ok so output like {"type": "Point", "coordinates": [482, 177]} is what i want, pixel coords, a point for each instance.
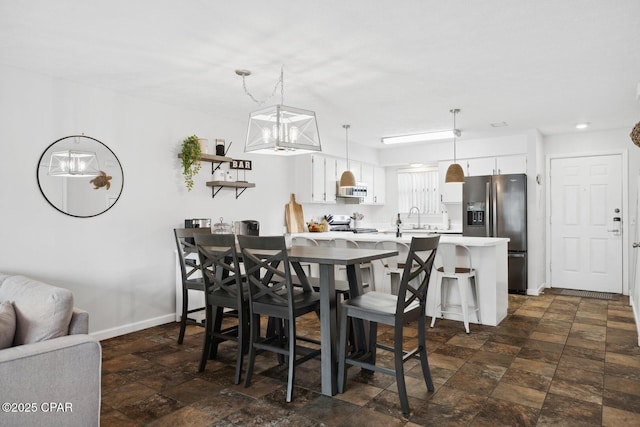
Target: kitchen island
{"type": "Point", "coordinates": [489, 256]}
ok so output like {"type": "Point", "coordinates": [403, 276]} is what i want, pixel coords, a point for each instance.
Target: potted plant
{"type": "Point", "coordinates": [190, 156]}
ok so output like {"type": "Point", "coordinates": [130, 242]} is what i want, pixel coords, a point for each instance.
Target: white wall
{"type": "Point", "coordinates": [119, 265]}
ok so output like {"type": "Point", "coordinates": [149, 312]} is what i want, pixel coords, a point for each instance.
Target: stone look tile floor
{"type": "Point", "coordinates": [555, 360]}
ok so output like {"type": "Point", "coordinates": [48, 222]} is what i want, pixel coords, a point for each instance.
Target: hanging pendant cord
{"type": "Point", "coordinates": [346, 131]}
{"type": "Point", "coordinates": [455, 131]}
{"type": "Point", "coordinates": [280, 83]}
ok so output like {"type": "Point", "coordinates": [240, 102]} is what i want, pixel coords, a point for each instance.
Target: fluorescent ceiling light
{"type": "Point", "coordinates": [582, 125]}
{"type": "Point", "coordinates": [428, 136]}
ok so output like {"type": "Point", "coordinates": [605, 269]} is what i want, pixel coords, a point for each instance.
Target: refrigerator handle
{"type": "Point", "coordinates": [487, 195]}
{"type": "Point", "coordinates": [495, 210]}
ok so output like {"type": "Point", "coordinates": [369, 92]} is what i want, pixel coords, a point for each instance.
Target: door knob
{"type": "Point", "coordinates": [635, 245]}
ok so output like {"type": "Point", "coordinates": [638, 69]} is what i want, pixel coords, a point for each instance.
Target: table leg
{"type": "Point", "coordinates": [328, 330]}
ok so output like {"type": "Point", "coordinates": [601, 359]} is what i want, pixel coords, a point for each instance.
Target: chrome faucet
{"type": "Point", "coordinates": [409, 216]}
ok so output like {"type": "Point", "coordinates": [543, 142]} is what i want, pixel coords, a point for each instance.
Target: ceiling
{"type": "Point", "coordinates": [386, 67]}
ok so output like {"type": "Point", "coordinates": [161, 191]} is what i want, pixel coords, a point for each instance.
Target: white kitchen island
{"type": "Point", "coordinates": [489, 256]}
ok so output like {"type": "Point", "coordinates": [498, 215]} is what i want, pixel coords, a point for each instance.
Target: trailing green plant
{"type": "Point", "coordinates": [190, 156]}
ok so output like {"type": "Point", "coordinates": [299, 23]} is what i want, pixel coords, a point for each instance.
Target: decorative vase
{"type": "Point", "coordinates": [203, 145]}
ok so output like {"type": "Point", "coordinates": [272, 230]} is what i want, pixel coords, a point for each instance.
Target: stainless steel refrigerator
{"type": "Point", "coordinates": [496, 206]}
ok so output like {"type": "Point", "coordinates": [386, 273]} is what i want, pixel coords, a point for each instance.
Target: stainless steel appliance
{"type": "Point", "coordinates": [249, 227]}
{"type": "Point", "coordinates": [197, 223]}
{"type": "Point", "coordinates": [496, 206]}
{"type": "Point", "coordinates": [343, 223]}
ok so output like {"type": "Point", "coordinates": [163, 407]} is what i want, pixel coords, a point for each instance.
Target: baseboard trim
{"type": "Point", "coordinates": [538, 291]}
{"type": "Point", "coordinates": [133, 327]}
{"type": "Point", "coordinates": [636, 317]}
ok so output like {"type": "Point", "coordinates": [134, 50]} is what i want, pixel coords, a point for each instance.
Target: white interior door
{"type": "Point", "coordinates": [586, 196]}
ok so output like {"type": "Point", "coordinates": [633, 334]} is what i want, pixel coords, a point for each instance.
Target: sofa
{"type": "Point", "coordinates": [50, 368]}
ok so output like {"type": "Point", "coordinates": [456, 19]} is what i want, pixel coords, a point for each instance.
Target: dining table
{"type": "Point", "coordinates": [327, 258]}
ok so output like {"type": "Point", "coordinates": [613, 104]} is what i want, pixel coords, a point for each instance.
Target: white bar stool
{"type": "Point", "coordinates": [368, 280]}
{"type": "Point", "coordinates": [452, 256]}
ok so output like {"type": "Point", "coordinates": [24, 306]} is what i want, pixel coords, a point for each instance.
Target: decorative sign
{"type": "Point", "coordinates": [240, 164]}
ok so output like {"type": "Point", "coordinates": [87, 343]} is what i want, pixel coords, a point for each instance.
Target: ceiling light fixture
{"type": "Point", "coordinates": [280, 129]}
{"type": "Point", "coordinates": [454, 171]}
{"type": "Point", "coordinates": [582, 125]}
{"type": "Point", "coordinates": [418, 137]}
{"type": "Point", "coordinates": [347, 179]}
{"type": "Point", "coordinates": [73, 163]}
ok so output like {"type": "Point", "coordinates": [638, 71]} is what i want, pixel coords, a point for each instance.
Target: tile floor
{"type": "Point", "coordinates": [555, 360]}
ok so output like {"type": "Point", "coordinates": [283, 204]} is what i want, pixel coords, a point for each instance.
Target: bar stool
{"type": "Point", "coordinates": [453, 255]}
{"type": "Point", "coordinates": [307, 241]}
{"type": "Point", "coordinates": [340, 242]}
{"type": "Point", "coordinates": [393, 266]}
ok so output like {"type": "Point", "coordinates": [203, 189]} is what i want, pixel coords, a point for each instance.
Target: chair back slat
{"type": "Point", "coordinates": [185, 245]}
{"type": "Point", "coordinates": [419, 264]}
{"type": "Point", "coordinates": [268, 269]}
{"type": "Point", "coordinates": [220, 265]}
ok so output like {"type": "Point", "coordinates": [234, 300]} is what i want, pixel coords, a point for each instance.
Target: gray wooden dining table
{"type": "Point", "coordinates": [327, 258]}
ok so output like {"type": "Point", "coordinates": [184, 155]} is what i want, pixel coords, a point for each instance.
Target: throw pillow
{"type": "Point", "coordinates": [42, 311]}
{"type": "Point", "coordinates": [7, 324]}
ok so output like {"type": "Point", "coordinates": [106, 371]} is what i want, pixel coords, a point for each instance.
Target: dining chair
{"type": "Point", "coordinates": [394, 310]}
{"type": "Point", "coordinates": [225, 297]}
{"type": "Point", "coordinates": [188, 268]}
{"type": "Point", "coordinates": [272, 293]}
{"type": "Point", "coordinates": [457, 268]}
{"type": "Point", "coordinates": [392, 267]}
{"type": "Point", "coordinates": [340, 242]}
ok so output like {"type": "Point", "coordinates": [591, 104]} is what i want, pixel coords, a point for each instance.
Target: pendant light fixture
{"type": "Point", "coordinates": [454, 172]}
{"type": "Point", "coordinates": [347, 179]}
{"type": "Point", "coordinates": [280, 129]}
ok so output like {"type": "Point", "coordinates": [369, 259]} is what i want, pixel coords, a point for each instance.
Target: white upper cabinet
{"type": "Point", "coordinates": [449, 192]}
{"type": "Point", "coordinates": [367, 178]}
{"type": "Point", "coordinates": [379, 186]}
{"type": "Point", "coordinates": [479, 166]}
{"type": "Point", "coordinates": [511, 164]}
{"type": "Point", "coordinates": [331, 178]}
{"type": "Point", "coordinates": [315, 179]}
{"type": "Point", "coordinates": [500, 165]}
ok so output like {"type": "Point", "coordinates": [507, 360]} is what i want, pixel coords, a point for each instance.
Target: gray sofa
{"type": "Point", "coordinates": [50, 372]}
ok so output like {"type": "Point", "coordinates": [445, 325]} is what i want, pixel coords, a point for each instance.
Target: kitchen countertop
{"type": "Point", "coordinates": [406, 238]}
{"type": "Point", "coordinates": [421, 231]}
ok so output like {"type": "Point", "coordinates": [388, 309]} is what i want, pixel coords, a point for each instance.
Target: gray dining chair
{"type": "Point", "coordinates": [191, 281]}
{"type": "Point", "coordinates": [394, 310]}
{"type": "Point", "coordinates": [272, 293]}
{"type": "Point", "coordinates": [225, 297]}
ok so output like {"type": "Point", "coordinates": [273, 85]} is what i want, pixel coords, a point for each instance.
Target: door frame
{"type": "Point", "coordinates": [626, 226]}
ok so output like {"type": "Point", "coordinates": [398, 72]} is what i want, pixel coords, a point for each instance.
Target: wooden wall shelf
{"type": "Point", "coordinates": [239, 186]}
{"type": "Point", "coordinates": [216, 186]}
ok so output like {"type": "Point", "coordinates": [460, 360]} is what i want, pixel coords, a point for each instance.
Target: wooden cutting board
{"type": "Point", "coordinates": [293, 216]}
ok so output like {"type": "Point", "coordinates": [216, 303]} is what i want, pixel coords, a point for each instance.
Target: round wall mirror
{"type": "Point", "coordinates": [80, 176]}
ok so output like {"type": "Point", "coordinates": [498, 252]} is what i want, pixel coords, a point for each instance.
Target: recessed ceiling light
{"type": "Point", "coordinates": [499, 124]}
{"type": "Point", "coordinates": [416, 165]}
{"type": "Point", "coordinates": [582, 125]}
